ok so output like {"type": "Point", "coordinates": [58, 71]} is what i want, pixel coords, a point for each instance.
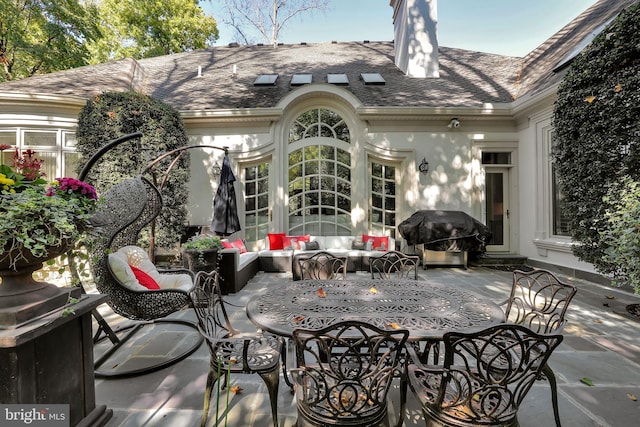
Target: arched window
{"type": "Point", "coordinates": [319, 122]}
{"type": "Point", "coordinates": [320, 176]}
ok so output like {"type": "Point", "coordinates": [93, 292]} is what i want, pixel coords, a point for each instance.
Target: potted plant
{"type": "Point", "coordinates": [202, 252]}
{"type": "Point", "coordinates": [40, 221]}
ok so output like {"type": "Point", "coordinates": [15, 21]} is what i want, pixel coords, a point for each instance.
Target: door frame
{"type": "Point", "coordinates": [507, 211]}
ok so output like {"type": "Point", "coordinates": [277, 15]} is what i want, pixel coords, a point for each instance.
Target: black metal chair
{"type": "Point", "coordinates": [539, 301]}
{"type": "Point", "coordinates": [321, 266]}
{"type": "Point", "coordinates": [229, 350]}
{"type": "Point", "coordinates": [484, 378]}
{"type": "Point", "coordinates": [344, 372]}
{"type": "Point", "coordinates": [394, 264]}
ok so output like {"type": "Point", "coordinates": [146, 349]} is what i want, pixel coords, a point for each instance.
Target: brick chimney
{"type": "Point", "coordinates": [416, 37]}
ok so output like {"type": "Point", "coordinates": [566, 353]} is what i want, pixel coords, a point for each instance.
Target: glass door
{"type": "Point", "coordinates": [497, 208]}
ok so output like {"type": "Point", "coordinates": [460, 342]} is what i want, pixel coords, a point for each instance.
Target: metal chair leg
{"type": "Point", "coordinates": [272, 381]}
{"type": "Point", "coordinates": [211, 379]}
{"type": "Point", "coordinates": [551, 377]}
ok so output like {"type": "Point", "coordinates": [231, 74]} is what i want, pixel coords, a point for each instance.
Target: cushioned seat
{"type": "Point", "coordinates": [121, 261]}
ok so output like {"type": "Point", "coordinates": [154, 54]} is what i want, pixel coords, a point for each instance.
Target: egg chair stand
{"type": "Point", "coordinates": [125, 209]}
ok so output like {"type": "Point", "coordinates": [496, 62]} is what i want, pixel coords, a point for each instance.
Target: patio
{"type": "Point", "coordinates": [602, 343]}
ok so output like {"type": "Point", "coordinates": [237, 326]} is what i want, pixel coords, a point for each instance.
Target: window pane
{"type": "Point", "coordinates": [376, 185]}
{"type": "Point", "coordinates": [327, 152]}
{"type": "Point", "coordinates": [496, 158]}
{"type": "Point", "coordinates": [326, 131]}
{"type": "Point", "coordinates": [263, 201]}
{"type": "Point", "coordinates": [328, 183]}
{"type": "Point", "coordinates": [376, 170]}
{"type": "Point", "coordinates": [69, 139]}
{"type": "Point", "coordinates": [250, 173]}
{"type": "Point", "coordinates": [263, 186]}
{"type": "Point", "coordinates": [249, 204]}
{"type": "Point", "coordinates": [71, 165]}
{"type": "Point", "coordinates": [560, 221]}
{"type": "Point", "coordinates": [8, 138]}
{"type": "Point", "coordinates": [344, 172]}
{"type": "Point", "coordinates": [49, 167]}
{"type": "Point", "coordinates": [343, 157]}
{"type": "Point", "coordinates": [40, 138]}
{"type": "Point", "coordinates": [390, 172]}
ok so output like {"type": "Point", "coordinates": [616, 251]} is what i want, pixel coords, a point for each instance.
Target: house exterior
{"type": "Point", "coordinates": [333, 138]}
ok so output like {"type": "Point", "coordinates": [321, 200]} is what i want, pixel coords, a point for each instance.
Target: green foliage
{"type": "Point", "coordinates": [42, 36]}
{"type": "Point", "coordinates": [113, 114]}
{"type": "Point", "coordinates": [597, 123]}
{"type": "Point", "coordinates": [34, 221]}
{"type": "Point", "coordinates": [620, 234]}
{"type": "Point", "coordinates": [203, 242]}
{"type": "Point", "coordinates": [148, 28]}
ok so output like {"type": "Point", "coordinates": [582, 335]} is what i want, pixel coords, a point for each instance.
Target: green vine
{"type": "Point", "coordinates": [597, 133]}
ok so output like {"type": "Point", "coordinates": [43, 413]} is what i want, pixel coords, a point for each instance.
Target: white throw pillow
{"type": "Point", "coordinates": [119, 265]}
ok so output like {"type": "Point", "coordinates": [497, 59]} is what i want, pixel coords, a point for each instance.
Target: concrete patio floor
{"type": "Point", "coordinates": [601, 343]}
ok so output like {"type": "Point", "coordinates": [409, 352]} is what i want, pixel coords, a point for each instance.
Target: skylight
{"type": "Point", "coordinates": [266, 80]}
{"type": "Point", "coordinates": [580, 46]}
{"type": "Point", "coordinates": [301, 79]}
{"type": "Point", "coordinates": [338, 79]}
{"type": "Point", "coordinates": [372, 79]}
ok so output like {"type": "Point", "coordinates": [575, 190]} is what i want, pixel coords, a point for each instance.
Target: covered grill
{"type": "Point", "coordinates": [445, 231]}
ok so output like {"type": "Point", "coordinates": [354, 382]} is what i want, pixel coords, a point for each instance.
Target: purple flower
{"type": "Point", "coordinates": [72, 185]}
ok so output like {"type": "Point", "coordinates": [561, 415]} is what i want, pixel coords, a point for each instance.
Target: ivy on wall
{"type": "Point", "coordinates": [597, 134]}
{"type": "Point", "coordinates": [113, 114]}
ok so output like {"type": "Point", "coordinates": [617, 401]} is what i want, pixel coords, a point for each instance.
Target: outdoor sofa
{"type": "Point", "coordinates": [358, 250]}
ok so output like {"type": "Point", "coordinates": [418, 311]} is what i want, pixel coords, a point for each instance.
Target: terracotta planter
{"type": "Point", "coordinates": [201, 259]}
{"type": "Point", "coordinates": [22, 298]}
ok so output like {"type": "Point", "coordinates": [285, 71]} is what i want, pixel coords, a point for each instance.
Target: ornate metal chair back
{"type": "Point", "coordinates": [206, 298]}
{"type": "Point", "coordinates": [394, 265]}
{"type": "Point", "coordinates": [323, 266]}
{"type": "Point", "coordinates": [485, 375]}
{"type": "Point", "coordinates": [229, 350]}
{"type": "Point", "coordinates": [344, 373]}
{"type": "Point", "coordinates": [539, 301]}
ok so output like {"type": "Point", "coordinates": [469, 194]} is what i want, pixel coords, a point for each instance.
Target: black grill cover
{"type": "Point", "coordinates": [445, 230]}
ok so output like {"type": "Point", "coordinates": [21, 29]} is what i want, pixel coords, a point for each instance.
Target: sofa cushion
{"type": "Point", "coordinates": [380, 243]}
{"type": "Point", "coordinates": [310, 246]}
{"type": "Point", "coordinates": [239, 244]}
{"type": "Point", "coordinates": [293, 242]}
{"type": "Point", "coordinates": [275, 241]}
{"type": "Point", "coordinates": [246, 258]}
{"type": "Point", "coordinates": [338, 242]}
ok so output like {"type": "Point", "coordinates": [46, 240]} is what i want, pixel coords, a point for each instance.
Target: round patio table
{"type": "Point", "coordinates": [427, 310]}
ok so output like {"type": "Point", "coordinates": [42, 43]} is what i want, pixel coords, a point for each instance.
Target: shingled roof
{"type": "Point", "coordinates": [204, 79]}
{"type": "Point", "coordinates": [539, 67]}
{"type": "Point", "coordinates": [467, 79]}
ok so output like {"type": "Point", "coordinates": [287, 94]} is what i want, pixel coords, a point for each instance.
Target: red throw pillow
{"type": "Point", "coordinates": [293, 242]}
{"type": "Point", "coordinates": [227, 244]}
{"type": "Point", "coordinates": [239, 244]}
{"type": "Point", "coordinates": [144, 279]}
{"type": "Point", "coordinates": [275, 241]}
{"type": "Point", "coordinates": [380, 243]}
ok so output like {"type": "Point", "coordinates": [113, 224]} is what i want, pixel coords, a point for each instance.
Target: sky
{"type": "Point", "coordinates": [506, 27]}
